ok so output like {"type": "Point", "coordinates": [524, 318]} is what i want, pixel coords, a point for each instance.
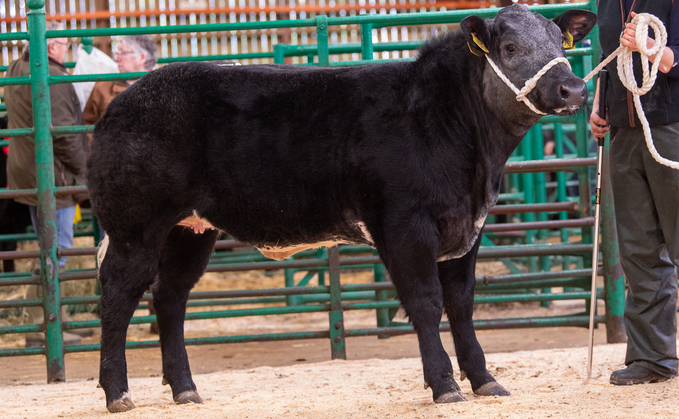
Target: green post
{"type": "Point", "coordinates": [289, 275]}
{"type": "Point", "coordinates": [338, 348]}
{"type": "Point", "coordinates": [528, 191]}
{"type": "Point", "coordinates": [540, 184]}
{"type": "Point", "coordinates": [47, 211]}
{"type": "Point", "coordinates": [87, 42]}
{"type": "Point", "coordinates": [383, 319]}
{"type": "Point", "coordinates": [279, 54]}
{"type": "Point", "coordinates": [322, 41]}
{"type": "Point", "coordinates": [367, 41]}
{"type": "Point", "coordinates": [614, 279]}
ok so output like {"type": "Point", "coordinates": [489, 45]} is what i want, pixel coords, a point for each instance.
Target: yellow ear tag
{"type": "Point", "coordinates": [472, 49]}
{"type": "Point", "coordinates": [478, 42]}
{"type": "Point", "coordinates": [568, 40]}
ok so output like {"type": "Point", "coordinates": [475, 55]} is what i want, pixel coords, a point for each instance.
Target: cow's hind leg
{"type": "Point", "coordinates": [458, 282]}
{"type": "Point", "coordinates": [412, 266]}
{"type": "Point", "coordinates": [128, 269]}
{"type": "Point", "coordinates": [183, 260]}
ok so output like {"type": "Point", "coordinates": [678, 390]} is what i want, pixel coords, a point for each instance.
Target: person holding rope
{"type": "Point", "coordinates": [646, 193]}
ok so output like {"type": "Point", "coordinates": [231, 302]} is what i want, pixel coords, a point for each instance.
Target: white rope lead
{"type": "Point", "coordinates": [626, 72]}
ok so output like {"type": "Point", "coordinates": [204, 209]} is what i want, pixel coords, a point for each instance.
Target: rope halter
{"type": "Point", "coordinates": [530, 83]}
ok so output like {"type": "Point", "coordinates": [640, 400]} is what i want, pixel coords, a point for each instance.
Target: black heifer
{"type": "Point", "coordinates": [406, 157]}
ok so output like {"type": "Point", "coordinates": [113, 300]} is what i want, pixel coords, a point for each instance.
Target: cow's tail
{"type": "Point", "coordinates": [101, 252]}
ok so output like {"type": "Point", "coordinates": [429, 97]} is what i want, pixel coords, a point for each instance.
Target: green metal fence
{"type": "Point", "coordinates": [529, 199]}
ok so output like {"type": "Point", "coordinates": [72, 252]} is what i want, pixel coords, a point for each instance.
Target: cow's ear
{"type": "Point", "coordinates": [477, 34]}
{"type": "Point", "coordinates": [575, 25]}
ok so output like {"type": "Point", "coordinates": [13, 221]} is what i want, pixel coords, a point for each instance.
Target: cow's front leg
{"type": "Point", "coordinates": [458, 281]}
{"type": "Point", "coordinates": [411, 262]}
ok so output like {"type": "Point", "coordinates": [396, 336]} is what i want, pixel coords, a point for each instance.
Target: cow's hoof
{"type": "Point", "coordinates": [123, 404]}
{"type": "Point", "coordinates": [492, 388]}
{"type": "Point", "coordinates": [188, 397]}
{"type": "Point", "coordinates": [452, 397]}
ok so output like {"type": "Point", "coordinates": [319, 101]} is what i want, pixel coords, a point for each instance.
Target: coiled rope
{"type": "Point", "coordinates": [625, 73]}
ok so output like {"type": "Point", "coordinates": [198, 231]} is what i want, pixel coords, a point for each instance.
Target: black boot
{"type": "Point", "coordinates": [637, 374]}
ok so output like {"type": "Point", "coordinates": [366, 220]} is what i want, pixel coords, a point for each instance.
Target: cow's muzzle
{"type": "Point", "coordinates": [572, 94]}
{"type": "Point", "coordinates": [530, 83]}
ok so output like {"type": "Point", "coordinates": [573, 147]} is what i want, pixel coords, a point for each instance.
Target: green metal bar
{"type": "Point", "coordinates": [547, 283]}
{"type": "Point", "coordinates": [309, 275]}
{"type": "Point", "coordinates": [379, 21]}
{"type": "Point", "coordinates": [26, 328]}
{"type": "Point", "coordinates": [32, 302]}
{"type": "Point", "coordinates": [42, 120]}
{"type": "Point", "coordinates": [540, 182]}
{"type": "Point", "coordinates": [338, 347]}
{"type": "Point", "coordinates": [382, 315]}
{"type": "Point", "coordinates": [322, 43]}
{"type": "Point", "coordinates": [509, 264]}
{"type": "Point", "coordinates": [13, 81]}
{"type": "Point", "coordinates": [96, 77]}
{"type": "Point", "coordinates": [207, 341]}
{"type": "Point", "coordinates": [11, 36]}
{"type": "Point", "coordinates": [348, 48]}
{"type": "Point", "coordinates": [482, 324]}
{"type": "Point", "coordinates": [367, 49]}
{"type": "Point", "coordinates": [16, 132]}
{"type": "Point", "coordinates": [368, 62]}
{"type": "Point", "coordinates": [221, 57]}
{"type": "Point", "coordinates": [346, 296]}
{"type": "Point", "coordinates": [72, 129]}
{"type": "Point", "coordinates": [528, 191]}
{"type": "Point", "coordinates": [279, 53]}
{"type": "Point", "coordinates": [289, 275]}
{"type": "Point", "coordinates": [22, 352]}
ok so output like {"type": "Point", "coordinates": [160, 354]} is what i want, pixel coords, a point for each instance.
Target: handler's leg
{"type": "Point", "coordinates": [410, 258]}
{"type": "Point", "coordinates": [183, 260]}
{"type": "Point", "coordinates": [642, 192]}
{"type": "Point", "coordinates": [458, 282]}
{"type": "Point", "coordinates": [129, 268]}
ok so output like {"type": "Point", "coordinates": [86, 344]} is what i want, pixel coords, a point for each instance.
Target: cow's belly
{"type": "Point", "coordinates": [466, 242]}
{"type": "Point", "coordinates": [281, 253]}
{"type": "Point", "coordinates": [199, 225]}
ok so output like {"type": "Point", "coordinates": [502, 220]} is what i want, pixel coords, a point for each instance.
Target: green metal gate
{"type": "Point", "coordinates": [526, 200]}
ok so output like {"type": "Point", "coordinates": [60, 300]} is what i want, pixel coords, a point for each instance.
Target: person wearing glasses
{"type": "Point", "coordinates": [136, 53]}
{"type": "Point", "coordinates": [69, 157]}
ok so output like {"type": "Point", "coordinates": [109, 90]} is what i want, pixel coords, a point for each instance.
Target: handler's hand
{"type": "Point", "coordinates": [598, 124]}
{"type": "Point", "coordinates": [628, 37]}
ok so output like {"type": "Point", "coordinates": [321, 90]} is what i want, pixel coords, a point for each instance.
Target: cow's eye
{"type": "Point", "coordinates": [511, 47]}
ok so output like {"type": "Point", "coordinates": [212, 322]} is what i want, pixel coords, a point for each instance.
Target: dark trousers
{"type": "Point", "coordinates": [646, 196]}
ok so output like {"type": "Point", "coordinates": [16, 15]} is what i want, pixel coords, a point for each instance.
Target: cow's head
{"type": "Point", "coordinates": [521, 43]}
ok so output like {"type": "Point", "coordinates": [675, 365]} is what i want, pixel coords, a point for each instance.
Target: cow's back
{"type": "Point", "coordinates": [280, 144]}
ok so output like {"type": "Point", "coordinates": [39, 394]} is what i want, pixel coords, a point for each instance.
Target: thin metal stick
{"type": "Point", "coordinates": [595, 259]}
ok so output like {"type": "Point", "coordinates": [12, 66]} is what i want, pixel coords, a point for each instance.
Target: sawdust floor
{"type": "Point", "coordinates": [544, 384]}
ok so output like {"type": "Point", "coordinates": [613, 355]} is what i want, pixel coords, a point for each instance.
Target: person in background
{"type": "Point", "coordinates": [646, 193]}
{"type": "Point", "coordinates": [69, 157]}
{"type": "Point", "coordinates": [135, 53]}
